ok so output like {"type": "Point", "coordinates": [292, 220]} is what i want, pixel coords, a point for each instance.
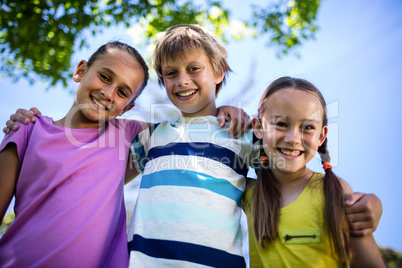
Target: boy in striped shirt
{"type": "Point", "coordinates": [189, 204]}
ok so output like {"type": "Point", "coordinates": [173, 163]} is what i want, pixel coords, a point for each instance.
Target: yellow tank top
{"type": "Point", "coordinates": [302, 239]}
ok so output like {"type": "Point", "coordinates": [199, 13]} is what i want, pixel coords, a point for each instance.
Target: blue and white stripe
{"type": "Point", "coordinates": [188, 208]}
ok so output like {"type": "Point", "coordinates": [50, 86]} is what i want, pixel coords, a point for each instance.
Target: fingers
{"type": "Point", "coordinates": [23, 116]}
{"type": "Point", "coordinates": [361, 233]}
{"type": "Point", "coordinates": [359, 204]}
{"type": "Point", "coordinates": [375, 205]}
{"type": "Point", "coordinates": [35, 111]}
{"type": "Point", "coordinates": [240, 121]}
{"type": "Point", "coordinates": [351, 199]}
{"type": "Point", "coordinates": [361, 224]}
{"type": "Point", "coordinates": [6, 130]}
{"type": "Point", "coordinates": [247, 123]}
{"type": "Point", "coordinates": [363, 213]}
{"type": "Point", "coordinates": [11, 125]}
{"type": "Point", "coordinates": [233, 130]}
{"type": "Point", "coordinates": [225, 116]}
{"type": "Point", "coordinates": [222, 116]}
{"type": "Point", "coordinates": [361, 220]}
{"type": "Point", "coordinates": [243, 125]}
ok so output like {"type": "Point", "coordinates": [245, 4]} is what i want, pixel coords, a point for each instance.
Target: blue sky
{"type": "Point", "coordinates": [356, 61]}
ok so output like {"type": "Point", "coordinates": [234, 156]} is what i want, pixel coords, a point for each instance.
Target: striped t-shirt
{"type": "Point", "coordinates": [188, 208]}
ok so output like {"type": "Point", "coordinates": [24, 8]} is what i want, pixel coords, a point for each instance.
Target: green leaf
{"type": "Point", "coordinates": [37, 37]}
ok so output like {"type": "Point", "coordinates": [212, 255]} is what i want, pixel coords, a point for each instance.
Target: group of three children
{"type": "Point", "coordinates": [67, 176]}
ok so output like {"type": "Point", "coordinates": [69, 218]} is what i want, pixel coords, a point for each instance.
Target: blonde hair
{"type": "Point", "coordinates": [178, 40]}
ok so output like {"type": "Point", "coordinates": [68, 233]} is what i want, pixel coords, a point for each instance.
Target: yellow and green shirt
{"type": "Point", "coordinates": [302, 237]}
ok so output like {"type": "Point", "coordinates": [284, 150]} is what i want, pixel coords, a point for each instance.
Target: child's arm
{"type": "Point", "coordinates": [366, 253]}
{"type": "Point", "coordinates": [10, 167]}
{"type": "Point", "coordinates": [24, 116]}
{"type": "Point", "coordinates": [365, 249]}
{"type": "Point", "coordinates": [363, 213]}
{"type": "Point", "coordinates": [240, 122]}
{"type": "Point", "coordinates": [131, 171]}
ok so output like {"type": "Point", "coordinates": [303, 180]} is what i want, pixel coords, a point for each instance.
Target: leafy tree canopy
{"type": "Point", "coordinates": [38, 36]}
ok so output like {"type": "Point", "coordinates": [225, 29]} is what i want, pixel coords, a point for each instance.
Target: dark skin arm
{"type": "Point", "coordinates": [131, 171]}
{"type": "Point", "coordinates": [10, 168]}
{"type": "Point", "coordinates": [363, 213]}
{"type": "Point", "coordinates": [240, 121]}
{"type": "Point", "coordinates": [365, 249]}
{"type": "Point", "coordinates": [23, 116]}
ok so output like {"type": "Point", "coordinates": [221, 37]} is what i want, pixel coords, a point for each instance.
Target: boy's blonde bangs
{"type": "Point", "coordinates": [179, 40]}
{"type": "Point", "coordinates": [175, 47]}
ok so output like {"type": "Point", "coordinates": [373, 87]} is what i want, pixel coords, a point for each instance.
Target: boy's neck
{"type": "Point", "coordinates": [210, 112]}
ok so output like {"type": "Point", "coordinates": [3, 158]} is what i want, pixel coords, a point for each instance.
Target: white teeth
{"type": "Point", "coordinates": [185, 94]}
{"type": "Point", "coordinates": [290, 153]}
{"type": "Point", "coordinates": [98, 103]}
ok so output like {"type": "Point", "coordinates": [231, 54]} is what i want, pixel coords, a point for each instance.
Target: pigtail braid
{"type": "Point", "coordinates": [337, 223]}
{"type": "Point", "coordinates": [266, 205]}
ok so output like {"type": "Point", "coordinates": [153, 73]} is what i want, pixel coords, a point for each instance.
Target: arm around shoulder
{"type": "Point", "coordinates": [365, 249]}
{"type": "Point", "coordinates": [363, 212]}
{"type": "Point", "coordinates": [131, 170]}
{"type": "Point", "coordinates": [10, 166]}
{"type": "Point", "coordinates": [366, 253]}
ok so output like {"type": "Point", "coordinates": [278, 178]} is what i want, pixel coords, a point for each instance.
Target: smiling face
{"type": "Point", "coordinates": [190, 83]}
{"type": "Point", "coordinates": [291, 129]}
{"type": "Point", "coordinates": [106, 88]}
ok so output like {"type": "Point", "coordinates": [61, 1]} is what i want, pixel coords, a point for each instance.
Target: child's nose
{"type": "Point", "coordinates": [183, 79]}
{"type": "Point", "coordinates": [293, 136]}
{"type": "Point", "coordinates": [107, 92]}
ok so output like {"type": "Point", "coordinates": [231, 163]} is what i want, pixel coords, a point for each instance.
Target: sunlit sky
{"type": "Point", "coordinates": [356, 61]}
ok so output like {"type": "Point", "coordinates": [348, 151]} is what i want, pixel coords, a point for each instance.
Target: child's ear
{"type": "Point", "coordinates": [219, 78]}
{"type": "Point", "coordinates": [127, 108]}
{"type": "Point", "coordinates": [80, 71]}
{"type": "Point", "coordinates": [323, 134]}
{"type": "Point", "coordinates": [257, 127]}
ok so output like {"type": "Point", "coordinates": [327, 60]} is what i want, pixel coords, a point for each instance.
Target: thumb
{"type": "Point", "coordinates": [221, 118]}
{"type": "Point", "coordinates": [351, 199]}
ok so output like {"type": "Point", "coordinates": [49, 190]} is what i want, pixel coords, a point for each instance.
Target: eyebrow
{"type": "Point", "coordinates": [124, 85]}
{"type": "Point", "coordinates": [277, 117]}
{"type": "Point", "coordinates": [170, 65]}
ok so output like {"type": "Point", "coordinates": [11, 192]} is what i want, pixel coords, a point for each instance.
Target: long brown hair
{"type": "Point", "coordinates": [267, 196]}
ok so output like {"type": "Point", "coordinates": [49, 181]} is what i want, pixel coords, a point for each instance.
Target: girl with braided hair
{"type": "Point", "coordinates": [296, 216]}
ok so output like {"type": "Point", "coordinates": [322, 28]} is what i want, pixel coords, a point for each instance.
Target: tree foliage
{"type": "Point", "coordinates": [37, 37]}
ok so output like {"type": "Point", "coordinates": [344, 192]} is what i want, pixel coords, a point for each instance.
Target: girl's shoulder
{"type": "Point", "coordinates": [247, 195]}
{"type": "Point", "coordinates": [345, 186]}
{"type": "Point", "coordinates": [319, 177]}
{"type": "Point", "coordinates": [249, 183]}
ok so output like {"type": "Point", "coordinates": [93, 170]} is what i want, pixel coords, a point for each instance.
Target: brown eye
{"type": "Point", "coordinates": [122, 93]}
{"type": "Point", "coordinates": [193, 69]}
{"type": "Point", "coordinates": [280, 124]}
{"type": "Point", "coordinates": [104, 77]}
{"type": "Point", "coordinates": [170, 73]}
{"type": "Point", "coordinates": [307, 127]}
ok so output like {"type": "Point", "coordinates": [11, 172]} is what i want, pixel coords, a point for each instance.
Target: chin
{"type": "Point", "coordinates": [288, 169]}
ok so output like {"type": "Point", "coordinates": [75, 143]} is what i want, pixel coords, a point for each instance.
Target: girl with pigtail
{"type": "Point", "coordinates": [296, 217]}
